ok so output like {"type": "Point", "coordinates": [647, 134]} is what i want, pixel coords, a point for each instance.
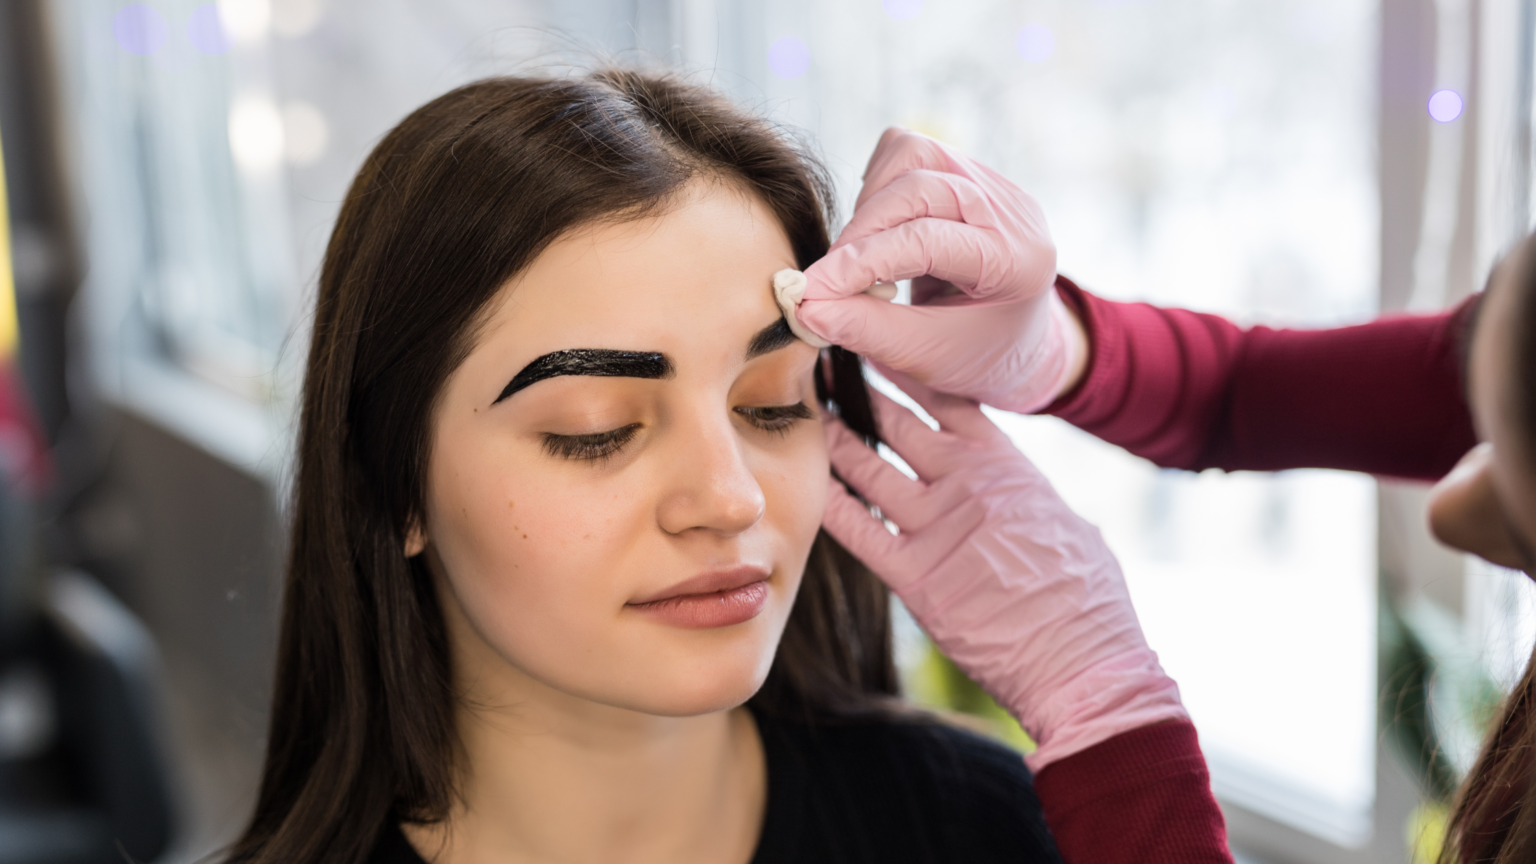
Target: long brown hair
{"type": "Point", "coordinates": [452, 203]}
{"type": "Point", "coordinates": [1494, 816]}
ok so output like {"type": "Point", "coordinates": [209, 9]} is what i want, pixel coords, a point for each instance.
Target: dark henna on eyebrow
{"type": "Point", "coordinates": [608, 363]}
{"type": "Point", "coordinates": [599, 362]}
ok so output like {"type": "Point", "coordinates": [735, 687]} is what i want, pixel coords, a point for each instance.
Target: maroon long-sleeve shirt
{"type": "Point", "coordinates": [1191, 390]}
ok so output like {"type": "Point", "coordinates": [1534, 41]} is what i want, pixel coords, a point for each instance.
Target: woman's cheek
{"type": "Point", "coordinates": [516, 537]}
{"type": "Point", "coordinates": [795, 486]}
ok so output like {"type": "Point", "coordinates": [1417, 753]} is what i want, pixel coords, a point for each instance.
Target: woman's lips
{"type": "Point", "coordinates": [716, 599]}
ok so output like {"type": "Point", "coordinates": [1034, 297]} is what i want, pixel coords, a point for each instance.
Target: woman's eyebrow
{"type": "Point", "coordinates": [608, 363]}
{"type": "Point", "coordinates": [601, 362]}
{"type": "Point", "coordinates": [770, 338]}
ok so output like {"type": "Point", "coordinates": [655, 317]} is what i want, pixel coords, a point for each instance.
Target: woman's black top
{"type": "Point", "coordinates": [888, 791]}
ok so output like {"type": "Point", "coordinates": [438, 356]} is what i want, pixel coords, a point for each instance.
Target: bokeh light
{"type": "Point", "coordinates": [902, 10]}
{"type": "Point", "coordinates": [139, 29]}
{"type": "Point", "coordinates": [1036, 43]}
{"type": "Point", "coordinates": [789, 57]}
{"type": "Point", "coordinates": [295, 18]}
{"type": "Point", "coordinates": [305, 133]}
{"type": "Point", "coordinates": [247, 21]}
{"type": "Point", "coordinates": [256, 134]}
{"type": "Point", "coordinates": [206, 30]}
{"type": "Point", "coordinates": [1445, 105]}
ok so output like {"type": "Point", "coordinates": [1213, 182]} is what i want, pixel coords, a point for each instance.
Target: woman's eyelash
{"type": "Point", "coordinates": [595, 447]}
{"type": "Point", "coordinates": [599, 446]}
{"type": "Point", "coordinates": [777, 418]}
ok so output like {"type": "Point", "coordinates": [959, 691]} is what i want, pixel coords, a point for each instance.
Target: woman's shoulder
{"type": "Point", "coordinates": [897, 789]}
{"type": "Point", "coordinates": [907, 786]}
{"type": "Point", "coordinates": [902, 742]}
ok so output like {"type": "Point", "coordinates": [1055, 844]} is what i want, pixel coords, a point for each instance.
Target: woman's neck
{"type": "Point", "coordinates": [550, 777]}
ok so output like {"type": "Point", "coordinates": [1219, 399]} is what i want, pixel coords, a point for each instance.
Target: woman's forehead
{"type": "Point", "coordinates": [700, 269]}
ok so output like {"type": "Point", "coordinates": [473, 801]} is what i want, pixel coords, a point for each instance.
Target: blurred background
{"type": "Point", "coordinates": [172, 170]}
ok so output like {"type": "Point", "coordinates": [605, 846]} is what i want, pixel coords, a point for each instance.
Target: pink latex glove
{"type": "Point", "coordinates": [1011, 584]}
{"type": "Point", "coordinates": [984, 321]}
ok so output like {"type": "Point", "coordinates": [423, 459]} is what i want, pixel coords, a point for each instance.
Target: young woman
{"type": "Point", "coordinates": [557, 588]}
{"type": "Point", "coordinates": [1185, 390]}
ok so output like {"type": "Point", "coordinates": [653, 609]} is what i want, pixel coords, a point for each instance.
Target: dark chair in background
{"type": "Point", "coordinates": [83, 779]}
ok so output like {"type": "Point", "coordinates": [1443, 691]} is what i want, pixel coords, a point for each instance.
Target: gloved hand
{"type": "Point", "coordinates": [984, 321]}
{"type": "Point", "coordinates": [1011, 584]}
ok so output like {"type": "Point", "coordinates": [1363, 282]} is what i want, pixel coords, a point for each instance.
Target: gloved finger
{"type": "Point", "coordinates": [917, 443]}
{"type": "Point", "coordinates": [851, 524]}
{"type": "Point", "coordinates": [955, 414]}
{"type": "Point", "coordinates": [918, 194]}
{"type": "Point", "coordinates": [901, 499]}
{"type": "Point", "coordinates": [880, 482]}
{"type": "Point", "coordinates": [899, 335]}
{"type": "Point", "coordinates": [937, 462]}
{"type": "Point", "coordinates": [901, 150]}
{"type": "Point", "coordinates": [976, 260]}
{"type": "Point", "coordinates": [937, 543]}
{"type": "Point", "coordinates": [899, 560]}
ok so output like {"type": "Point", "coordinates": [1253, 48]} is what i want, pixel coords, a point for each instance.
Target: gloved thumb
{"type": "Point", "coordinates": [862, 324]}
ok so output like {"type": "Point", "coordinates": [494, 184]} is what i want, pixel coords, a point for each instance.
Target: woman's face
{"type": "Point", "coordinates": [630, 528]}
{"type": "Point", "coordinates": [1487, 504]}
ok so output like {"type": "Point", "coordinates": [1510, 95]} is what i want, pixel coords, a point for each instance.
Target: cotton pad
{"type": "Point", "coordinates": [789, 290]}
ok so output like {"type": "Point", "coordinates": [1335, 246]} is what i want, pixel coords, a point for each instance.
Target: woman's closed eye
{"type": "Point", "coordinates": [599, 446]}
{"type": "Point", "coordinates": [593, 447]}
{"type": "Point", "coordinates": [776, 418]}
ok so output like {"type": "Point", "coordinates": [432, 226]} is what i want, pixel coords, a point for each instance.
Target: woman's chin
{"type": "Point", "coordinates": [682, 673]}
{"type": "Point", "coordinates": [708, 693]}
{"type": "Point", "coordinates": [689, 689]}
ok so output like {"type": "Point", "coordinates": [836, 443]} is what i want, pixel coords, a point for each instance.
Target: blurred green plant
{"type": "Point", "coordinates": [935, 682]}
{"type": "Point", "coordinates": [1426, 831]}
{"type": "Point", "coordinates": [1437, 702]}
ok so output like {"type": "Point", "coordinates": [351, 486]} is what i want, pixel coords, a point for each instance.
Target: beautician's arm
{"type": "Point", "coordinates": [1016, 589]}
{"type": "Point", "coordinates": [1143, 796]}
{"type": "Point", "coordinates": [1189, 390]}
{"type": "Point", "coordinates": [1192, 390]}
{"type": "Point", "coordinates": [1026, 597]}
{"type": "Point", "coordinates": [1183, 389]}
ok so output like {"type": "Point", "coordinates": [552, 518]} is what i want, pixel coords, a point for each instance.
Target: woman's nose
{"type": "Point", "coordinates": [710, 486]}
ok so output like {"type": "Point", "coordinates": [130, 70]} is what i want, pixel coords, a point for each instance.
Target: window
{"type": "Point", "coordinates": [1206, 154]}
{"type": "Point", "coordinates": [191, 291]}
